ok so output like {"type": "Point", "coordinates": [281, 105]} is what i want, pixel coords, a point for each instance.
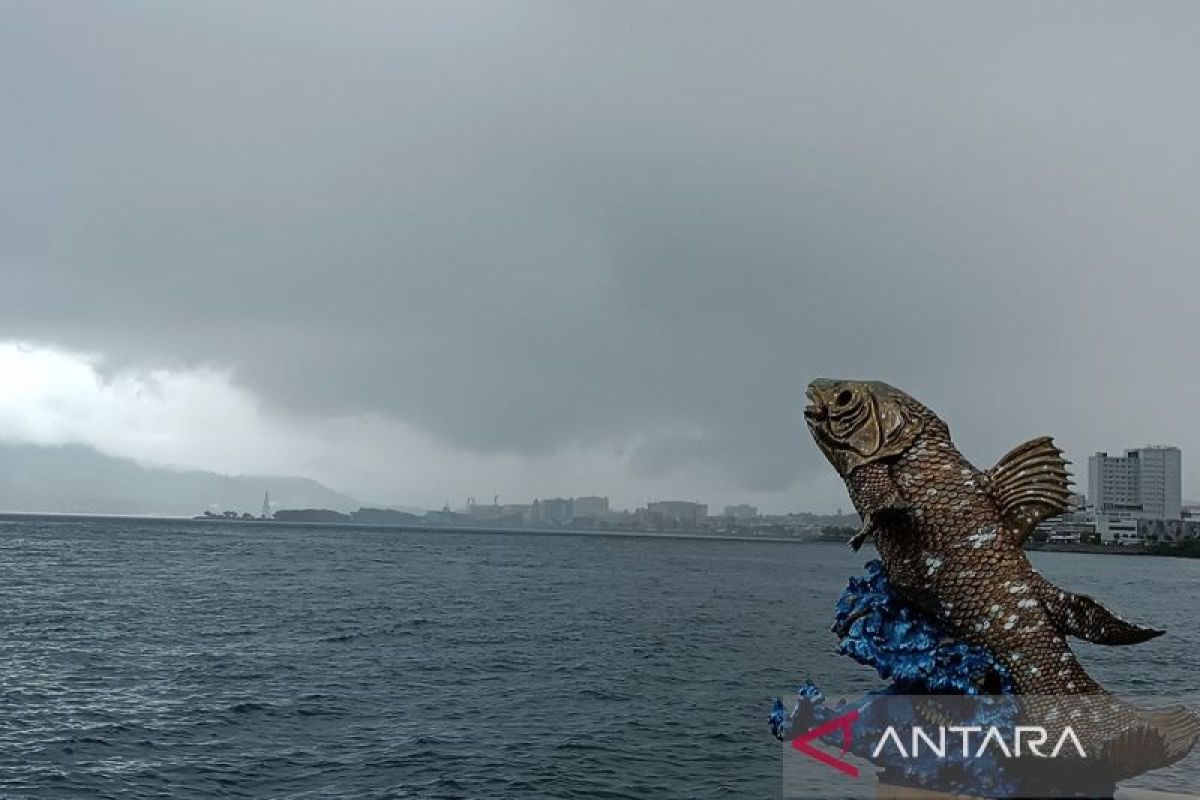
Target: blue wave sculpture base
{"type": "Point", "coordinates": [919, 656]}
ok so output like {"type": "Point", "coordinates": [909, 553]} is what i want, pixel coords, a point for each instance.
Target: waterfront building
{"type": "Point", "coordinates": [1118, 529]}
{"type": "Point", "coordinates": [1145, 482]}
{"type": "Point", "coordinates": [485, 512]}
{"type": "Point", "coordinates": [1137, 531]}
{"type": "Point", "coordinates": [1073, 527]}
{"type": "Point", "coordinates": [517, 512]}
{"type": "Point", "coordinates": [1168, 530]}
{"type": "Point", "coordinates": [555, 510]}
{"type": "Point", "coordinates": [678, 513]}
{"type": "Point", "coordinates": [741, 511]}
{"type": "Point", "coordinates": [589, 507]}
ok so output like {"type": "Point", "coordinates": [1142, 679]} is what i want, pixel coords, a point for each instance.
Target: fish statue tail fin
{"type": "Point", "coordinates": [1163, 737]}
{"type": "Point", "coordinates": [1080, 616]}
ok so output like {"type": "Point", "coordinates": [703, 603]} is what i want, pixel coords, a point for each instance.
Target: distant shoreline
{"type": "Point", "coordinates": [476, 529]}
{"type": "Point", "coordinates": [1161, 550]}
{"type": "Point", "coordinates": [202, 521]}
{"type": "Point", "coordinates": [1096, 549]}
{"type": "Point", "coordinates": [1085, 549]}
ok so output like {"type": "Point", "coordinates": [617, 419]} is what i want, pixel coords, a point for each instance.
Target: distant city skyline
{"type": "Point", "coordinates": [1145, 481]}
{"type": "Point", "coordinates": [1084, 485]}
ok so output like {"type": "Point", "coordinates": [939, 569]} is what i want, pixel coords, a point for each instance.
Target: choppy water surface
{"type": "Point", "coordinates": [178, 659]}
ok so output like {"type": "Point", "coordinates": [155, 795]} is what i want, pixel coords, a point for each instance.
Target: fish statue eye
{"type": "Point", "coordinates": [843, 397]}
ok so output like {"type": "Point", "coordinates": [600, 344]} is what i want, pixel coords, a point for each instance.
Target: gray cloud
{"type": "Point", "coordinates": [525, 228]}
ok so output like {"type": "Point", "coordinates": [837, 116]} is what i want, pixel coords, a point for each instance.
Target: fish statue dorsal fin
{"type": "Point", "coordinates": [1031, 483]}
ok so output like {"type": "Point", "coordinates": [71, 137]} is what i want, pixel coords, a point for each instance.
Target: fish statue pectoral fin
{"type": "Point", "coordinates": [865, 532]}
{"type": "Point", "coordinates": [1030, 483]}
{"type": "Point", "coordinates": [1082, 617]}
{"type": "Point", "coordinates": [874, 520]}
{"type": "Point", "coordinates": [856, 541]}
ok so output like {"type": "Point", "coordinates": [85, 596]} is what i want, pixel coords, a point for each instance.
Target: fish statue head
{"type": "Point", "coordinates": [860, 422]}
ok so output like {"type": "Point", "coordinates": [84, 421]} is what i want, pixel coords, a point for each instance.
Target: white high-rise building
{"type": "Point", "coordinates": [1161, 482]}
{"type": "Point", "coordinates": [1146, 482]}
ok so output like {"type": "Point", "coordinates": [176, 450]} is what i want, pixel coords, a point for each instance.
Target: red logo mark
{"type": "Point", "coordinates": [844, 723]}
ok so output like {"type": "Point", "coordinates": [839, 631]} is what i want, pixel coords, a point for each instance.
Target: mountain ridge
{"type": "Point", "coordinates": [78, 479]}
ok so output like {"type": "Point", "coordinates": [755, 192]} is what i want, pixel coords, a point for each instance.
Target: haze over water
{"type": "Point", "coordinates": [178, 659]}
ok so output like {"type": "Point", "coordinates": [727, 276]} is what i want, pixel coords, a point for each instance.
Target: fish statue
{"type": "Point", "coordinates": [951, 539]}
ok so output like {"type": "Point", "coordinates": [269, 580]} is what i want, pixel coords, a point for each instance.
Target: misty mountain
{"type": "Point", "coordinates": [78, 479]}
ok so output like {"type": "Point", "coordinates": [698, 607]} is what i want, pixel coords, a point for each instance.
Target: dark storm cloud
{"type": "Point", "coordinates": [523, 227]}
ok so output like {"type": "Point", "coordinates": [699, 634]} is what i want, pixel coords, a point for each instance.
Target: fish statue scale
{"type": "Point", "coordinates": [951, 540]}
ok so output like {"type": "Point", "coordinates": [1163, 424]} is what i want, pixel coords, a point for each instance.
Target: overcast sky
{"type": "Point", "coordinates": [425, 251]}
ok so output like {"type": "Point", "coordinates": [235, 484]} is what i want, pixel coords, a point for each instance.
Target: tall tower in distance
{"type": "Point", "coordinates": [266, 509]}
{"type": "Point", "coordinates": [1146, 482]}
{"type": "Point", "coordinates": [1161, 482]}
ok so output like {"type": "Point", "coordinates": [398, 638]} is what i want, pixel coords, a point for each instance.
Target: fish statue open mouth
{"type": "Point", "coordinates": [951, 536]}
